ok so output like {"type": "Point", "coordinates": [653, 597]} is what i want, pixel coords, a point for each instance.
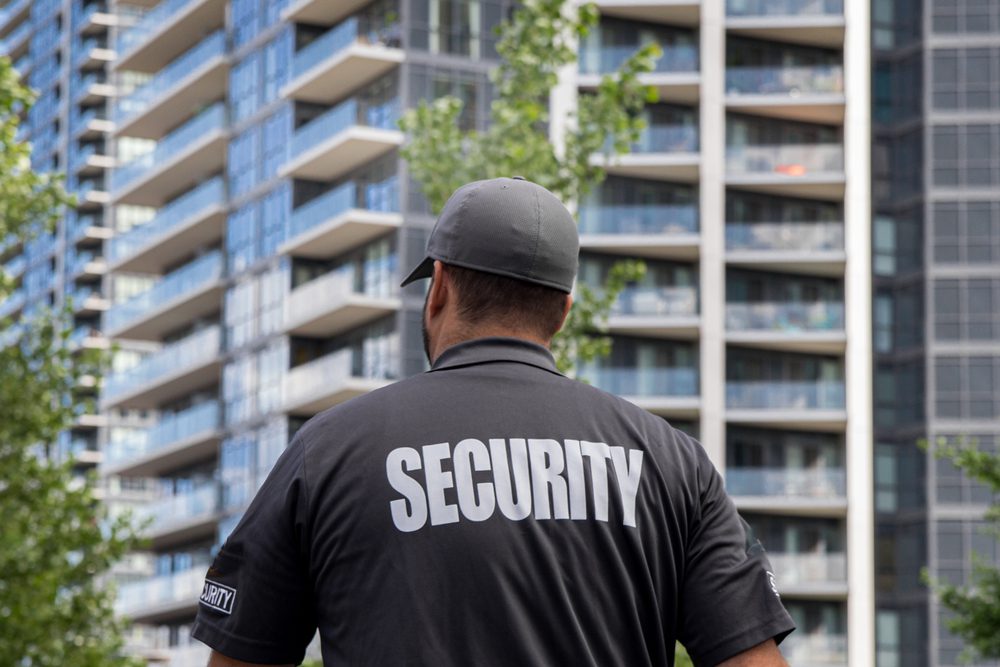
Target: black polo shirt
{"type": "Point", "coordinates": [490, 512]}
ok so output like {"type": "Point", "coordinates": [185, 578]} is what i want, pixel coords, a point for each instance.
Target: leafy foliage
{"type": "Point", "coordinates": [534, 46]}
{"type": "Point", "coordinates": [57, 538]}
{"type": "Point", "coordinates": [976, 607]}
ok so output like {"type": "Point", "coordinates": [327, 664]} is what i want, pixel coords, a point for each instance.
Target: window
{"type": "Point", "coordinates": [966, 156]}
{"type": "Point", "coordinates": [967, 232]}
{"type": "Point", "coordinates": [965, 387]}
{"type": "Point", "coordinates": [460, 27]}
{"type": "Point", "coordinates": [241, 238]}
{"type": "Point", "coordinates": [958, 16]}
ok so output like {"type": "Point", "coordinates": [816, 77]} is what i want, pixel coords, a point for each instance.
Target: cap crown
{"type": "Point", "coordinates": [510, 227]}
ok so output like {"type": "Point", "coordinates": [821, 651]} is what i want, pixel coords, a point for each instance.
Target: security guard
{"type": "Point", "coordinates": [492, 511]}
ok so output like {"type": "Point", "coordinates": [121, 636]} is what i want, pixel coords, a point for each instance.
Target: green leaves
{"type": "Point", "coordinates": [57, 538]}
{"type": "Point", "coordinates": [975, 607]}
{"type": "Point", "coordinates": [539, 41]}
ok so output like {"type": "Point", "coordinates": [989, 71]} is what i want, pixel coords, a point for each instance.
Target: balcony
{"type": "Point", "coordinates": [94, 17]}
{"type": "Point", "coordinates": [335, 378]}
{"type": "Point", "coordinates": [161, 598]}
{"type": "Point", "coordinates": [807, 404]}
{"type": "Point", "coordinates": [670, 12]}
{"type": "Point", "coordinates": [85, 265]}
{"type": "Point", "coordinates": [816, 327]}
{"type": "Point", "coordinates": [196, 219]}
{"type": "Point", "coordinates": [171, 28]}
{"type": "Point", "coordinates": [185, 157]}
{"type": "Point", "coordinates": [92, 52]}
{"type": "Point", "coordinates": [812, 94]}
{"type": "Point", "coordinates": [321, 12]}
{"type": "Point", "coordinates": [660, 312]}
{"type": "Point", "coordinates": [195, 79]}
{"type": "Point", "coordinates": [805, 170]}
{"type": "Point", "coordinates": [812, 248]}
{"type": "Point", "coordinates": [16, 43]}
{"type": "Point", "coordinates": [812, 575]}
{"type": "Point", "coordinates": [676, 76]}
{"type": "Point", "coordinates": [788, 491]}
{"type": "Point", "coordinates": [87, 228]}
{"type": "Point", "coordinates": [91, 124]}
{"type": "Point", "coordinates": [14, 10]}
{"type": "Point", "coordinates": [172, 372]}
{"type": "Point", "coordinates": [87, 300]}
{"type": "Point", "coordinates": [93, 88]}
{"type": "Point", "coordinates": [343, 139]}
{"type": "Point", "coordinates": [87, 337]}
{"type": "Point", "coordinates": [14, 269]}
{"type": "Point", "coordinates": [179, 439]}
{"type": "Point", "coordinates": [338, 302]}
{"type": "Point", "coordinates": [815, 650]}
{"type": "Point", "coordinates": [182, 517]}
{"type": "Point", "coordinates": [663, 152]}
{"type": "Point", "coordinates": [810, 22]}
{"type": "Point", "coordinates": [656, 231]}
{"type": "Point", "coordinates": [344, 59]}
{"type": "Point", "coordinates": [666, 391]}
{"type": "Point", "coordinates": [346, 217]}
{"type": "Point", "coordinates": [186, 294]}
{"type": "Point", "coordinates": [89, 162]}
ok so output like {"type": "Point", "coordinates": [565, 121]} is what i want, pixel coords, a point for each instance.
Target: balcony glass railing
{"type": "Point", "coordinates": [815, 650]}
{"type": "Point", "coordinates": [789, 395]}
{"type": "Point", "coordinates": [15, 267]}
{"type": "Point", "coordinates": [84, 48]}
{"type": "Point", "coordinates": [81, 333]}
{"type": "Point", "coordinates": [189, 278]}
{"type": "Point", "coordinates": [606, 59]}
{"type": "Point", "coordinates": [142, 98]}
{"type": "Point", "coordinates": [81, 121]}
{"type": "Point", "coordinates": [785, 316]}
{"type": "Point", "coordinates": [667, 139]}
{"type": "Point", "coordinates": [13, 8]}
{"type": "Point", "coordinates": [639, 219]}
{"type": "Point", "coordinates": [164, 589]}
{"type": "Point", "coordinates": [78, 264]}
{"type": "Point", "coordinates": [169, 217]}
{"type": "Point", "coordinates": [15, 38]}
{"type": "Point", "coordinates": [152, 21]}
{"type": "Point", "coordinates": [646, 382]}
{"type": "Point", "coordinates": [382, 197]}
{"type": "Point", "coordinates": [181, 508]}
{"type": "Point", "coordinates": [342, 117]}
{"type": "Point", "coordinates": [785, 482]}
{"type": "Point", "coordinates": [785, 159]}
{"type": "Point", "coordinates": [377, 280]}
{"type": "Point", "coordinates": [759, 8]}
{"type": "Point", "coordinates": [808, 568]}
{"type": "Point", "coordinates": [171, 429]}
{"type": "Point", "coordinates": [212, 118]}
{"type": "Point", "coordinates": [656, 301]}
{"type": "Point", "coordinates": [83, 17]}
{"type": "Point", "coordinates": [341, 37]}
{"type": "Point", "coordinates": [800, 236]}
{"type": "Point", "coordinates": [784, 80]}
{"type": "Point", "coordinates": [321, 376]}
{"type": "Point", "coordinates": [78, 228]}
{"type": "Point", "coordinates": [198, 348]}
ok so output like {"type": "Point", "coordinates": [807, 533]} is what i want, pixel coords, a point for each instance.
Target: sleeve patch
{"type": "Point", "coordinates": [218, 596]}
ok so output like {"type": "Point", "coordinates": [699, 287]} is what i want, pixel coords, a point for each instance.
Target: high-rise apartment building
{"type": "Point", "coordinates": [816, 176]}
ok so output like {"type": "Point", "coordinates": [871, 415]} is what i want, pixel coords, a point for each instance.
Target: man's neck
{"type": "Point", "coordinates": [453, 338]}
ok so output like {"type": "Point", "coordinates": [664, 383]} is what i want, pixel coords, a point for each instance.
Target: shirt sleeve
{"type": "Point", "coordinates": [257, 604]}
{"type": "Point", "coordinates": [729, 600]}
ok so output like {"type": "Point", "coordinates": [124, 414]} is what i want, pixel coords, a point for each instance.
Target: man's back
{"type": "Point", "coordinates": [494, 512]}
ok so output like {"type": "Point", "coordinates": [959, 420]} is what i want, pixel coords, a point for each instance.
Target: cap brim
{"type": "Point", "coordinates": [425, 269]}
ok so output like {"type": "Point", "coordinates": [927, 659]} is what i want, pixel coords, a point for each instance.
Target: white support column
{"type": "Point", "coordinates": [858, 360]}
{"type": "Point", "coordinates": [712, 208]}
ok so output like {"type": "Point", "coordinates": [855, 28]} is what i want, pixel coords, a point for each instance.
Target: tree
{"type": "Point", "coordinates": [534, 45]}
{"type": "Point", "coordinates": [56, 538]}
{"type": "Point", "coordinates": [976, 606]}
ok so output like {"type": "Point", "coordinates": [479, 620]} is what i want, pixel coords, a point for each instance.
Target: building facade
{"type": "Point", "coordinates": [244, 219]}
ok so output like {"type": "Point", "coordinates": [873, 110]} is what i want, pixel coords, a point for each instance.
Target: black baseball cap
{"type": "Point", "coordinates": [506, 226]}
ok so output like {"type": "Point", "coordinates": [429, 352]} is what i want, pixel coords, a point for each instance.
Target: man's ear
{"type": "Point", "coordinates": [440, 290]}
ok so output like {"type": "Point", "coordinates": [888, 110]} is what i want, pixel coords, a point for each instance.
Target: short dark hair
{"type": "Point", "coordinates": [516, 303]}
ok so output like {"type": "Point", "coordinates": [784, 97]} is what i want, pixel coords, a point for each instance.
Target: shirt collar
{"type": "Point", "coordinates": [493, 350]}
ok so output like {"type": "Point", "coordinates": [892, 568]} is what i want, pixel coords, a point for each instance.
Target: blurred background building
{"type": "Point", "coordinates": [818, 177]}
